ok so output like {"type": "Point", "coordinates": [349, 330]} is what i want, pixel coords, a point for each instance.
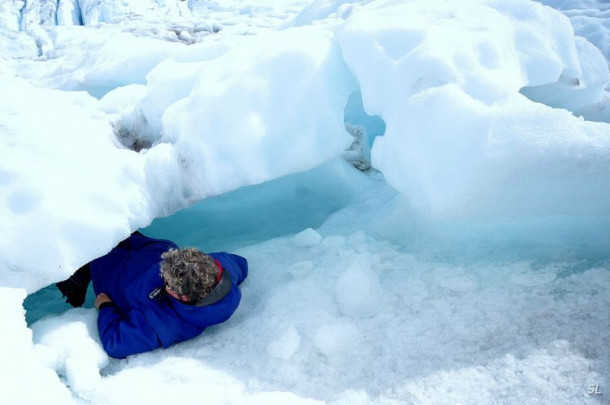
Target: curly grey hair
{"type": "Point", "coordinates": [189, 272]}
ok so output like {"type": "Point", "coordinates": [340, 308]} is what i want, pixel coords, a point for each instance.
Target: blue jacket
{"type": "Point", "coordinates": [137, 323]}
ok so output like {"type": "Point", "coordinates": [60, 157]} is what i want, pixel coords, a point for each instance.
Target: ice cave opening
{"type": "Point", "coordinates": [236, 219]}
{"type": "Point", "coordinates": [253, 214]}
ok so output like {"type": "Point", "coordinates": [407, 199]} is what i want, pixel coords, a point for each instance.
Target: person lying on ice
{"type": "Point", "coordinates": [152, 294]}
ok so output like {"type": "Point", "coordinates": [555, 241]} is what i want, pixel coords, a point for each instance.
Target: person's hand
{"type": "Point", "coordinates": [101, 298]}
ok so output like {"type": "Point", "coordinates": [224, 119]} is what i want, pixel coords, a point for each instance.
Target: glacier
{"type": "Point", "coordinates": [463, 260]}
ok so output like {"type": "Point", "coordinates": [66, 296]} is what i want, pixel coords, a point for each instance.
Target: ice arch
{"type": "Point", "coordinates": [449, 95]}
{"type": "Point", "coordinates": [240, 218]}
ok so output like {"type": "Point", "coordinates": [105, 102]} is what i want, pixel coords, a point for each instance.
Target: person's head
{"type": "Point", "coordinates": [188, 273]}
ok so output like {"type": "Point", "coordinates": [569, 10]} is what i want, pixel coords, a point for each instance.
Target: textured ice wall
{"type": "Point", "coordinates": [30, 13]}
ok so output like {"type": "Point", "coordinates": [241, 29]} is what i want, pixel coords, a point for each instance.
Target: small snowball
{"type": "Point", "coordinates": [307, 238]}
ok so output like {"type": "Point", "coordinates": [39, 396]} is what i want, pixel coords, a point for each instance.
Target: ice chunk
{"type": "Point", "coordinates": [308, 237]}
{"type": "Point", "coordinates": [69, 343]}
{"type": "Point", "coordinates": [358, 291]}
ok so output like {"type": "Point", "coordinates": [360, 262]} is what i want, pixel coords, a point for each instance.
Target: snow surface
{"type": "Point", "coordinates": [469, 265]}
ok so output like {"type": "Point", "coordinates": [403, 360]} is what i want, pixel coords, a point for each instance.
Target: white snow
{"type": "Point", "coordinates": [72, 348]}
{"type": "Point", "coordinates": [20, 365]}
{"type": "Point", "coordinates": [421, 189]}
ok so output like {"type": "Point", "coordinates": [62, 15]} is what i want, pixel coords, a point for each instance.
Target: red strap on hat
{"type": "Point", "coordinates": [220, 269]}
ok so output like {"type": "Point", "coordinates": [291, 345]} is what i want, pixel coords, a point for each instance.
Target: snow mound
{"type": "Point", "coordinates": [447, 80]}
{"type": "Point", "coordinates": [61, 194]}
{"type": "Point", "coordinates": [266, 108]}
{"type": "Point", "coordinates": [20, 365]}
{"type": "Point", "coordinates": [70, 346]}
